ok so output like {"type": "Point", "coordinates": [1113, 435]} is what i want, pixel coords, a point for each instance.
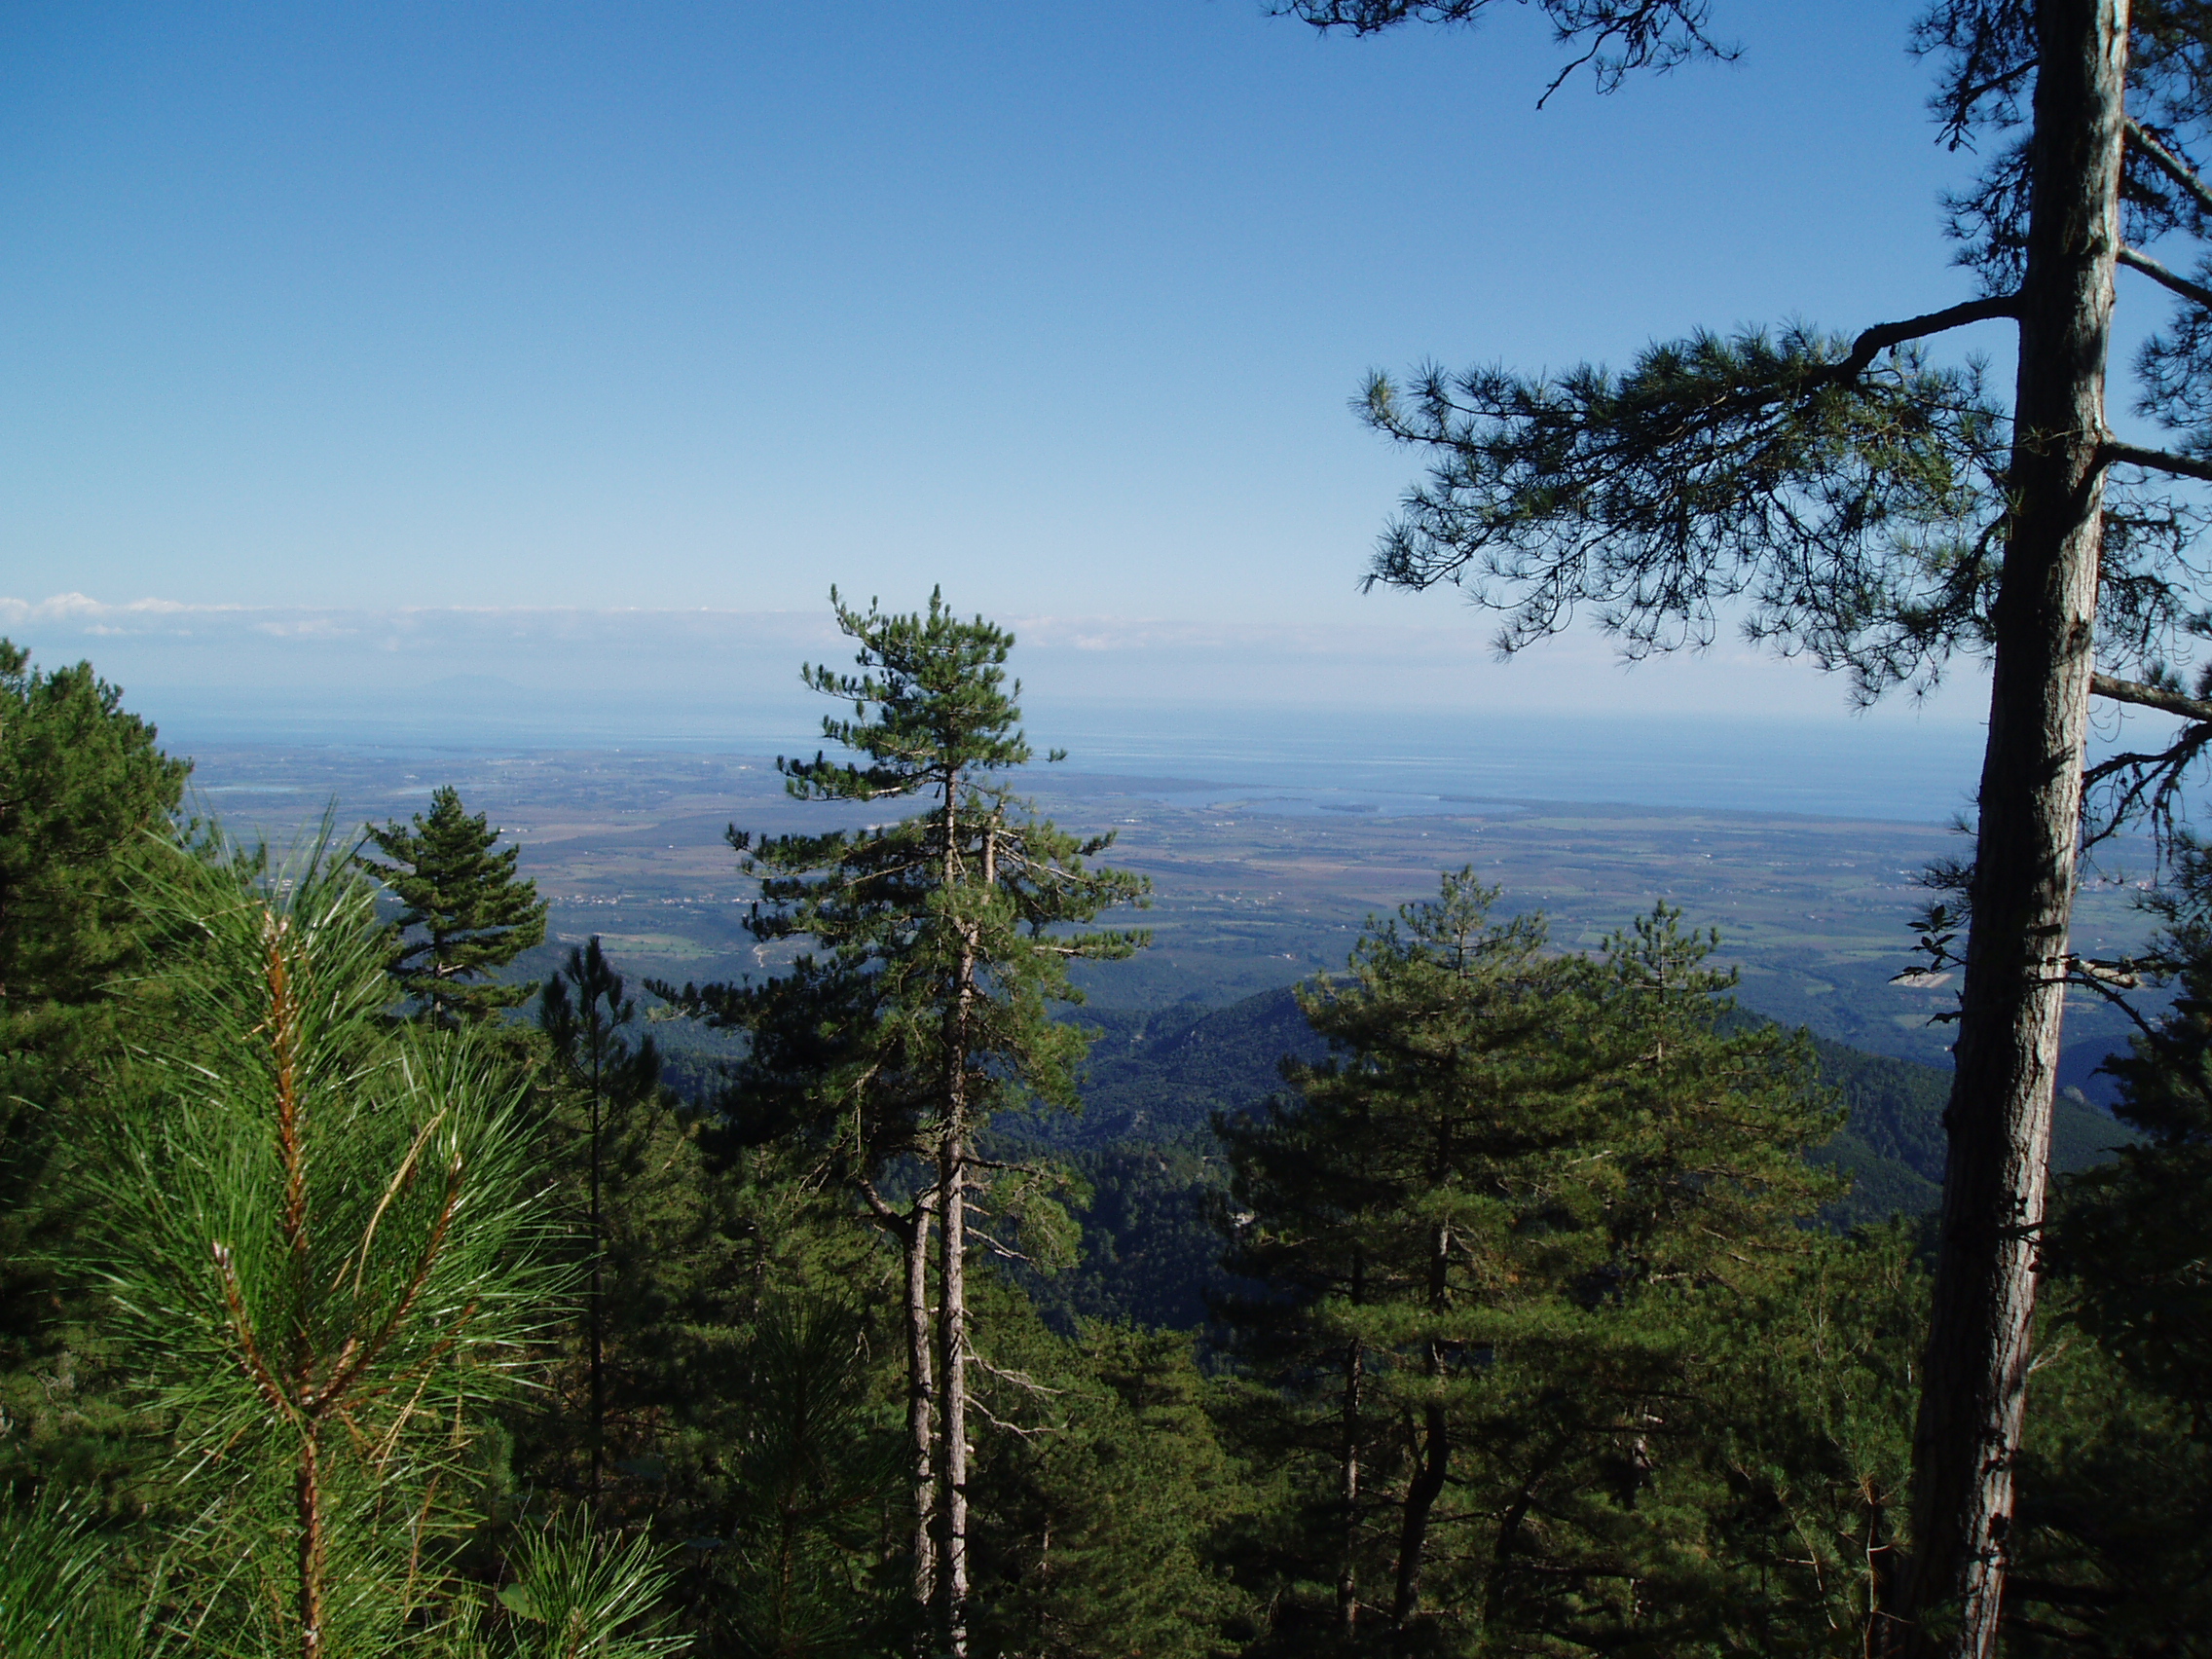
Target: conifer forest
{"type": "Point", "coordinates": [366, 1290]}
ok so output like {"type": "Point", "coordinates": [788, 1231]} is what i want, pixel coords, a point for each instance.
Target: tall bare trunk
{"type": "Point", "coordinates": [953, 1335]}
{"type": "Point", "coordinates": [921, 1403]}
{"type": "Point", "coordinates": [1432, 1455]}
{"type": "Point", "coordinates": [1999, 1119]}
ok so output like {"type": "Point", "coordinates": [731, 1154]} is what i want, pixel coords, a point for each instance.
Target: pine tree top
{"type": "Point", "coordinates": [466, 911]}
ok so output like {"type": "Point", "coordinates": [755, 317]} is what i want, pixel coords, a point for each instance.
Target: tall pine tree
{"type": "Point", "coordinates": [87, 803]}
{"type": "Point", "coordinates": [614, 1074]}
{"type": "Point", "coordinates": [942, 941]}
{"type": "Point", "coordinates": [1847, 498]}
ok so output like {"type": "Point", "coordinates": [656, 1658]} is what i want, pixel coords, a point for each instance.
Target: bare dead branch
{"type": "Point", "coordinates": [2149, 697]}
{"type": "Point", "coordinates": [2165, 276]}
{"type": "Point", "coordinates": [2157, 460]}
{"type": "Point", "coordinates": [2171, 165]}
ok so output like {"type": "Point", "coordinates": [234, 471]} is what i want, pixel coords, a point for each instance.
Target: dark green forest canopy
{"type": "Point", "coordinates": [716, 1435]}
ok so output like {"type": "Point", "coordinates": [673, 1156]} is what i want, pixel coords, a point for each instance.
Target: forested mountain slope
{"type": "Point", "coordinates": [1157, 1076]}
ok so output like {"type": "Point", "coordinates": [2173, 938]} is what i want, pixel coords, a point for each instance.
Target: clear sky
{"type": "Point", "coordinates": [328, 311]}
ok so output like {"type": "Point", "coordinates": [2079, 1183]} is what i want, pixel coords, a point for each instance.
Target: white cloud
{"type": "Point", "coordinates": [749, 659]}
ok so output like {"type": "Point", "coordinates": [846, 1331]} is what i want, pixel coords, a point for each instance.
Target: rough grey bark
{"type": "Point", "coordinates": [952, 1261]}
{"type": "Point", "coordinates": [921, 1403]}
{"type": "Point", "coordinates": [598, 1320]}
{"type": "Point", "coordinates": [1999, 1118]}
{"type": "Point", "coordinates": [952, 1354]}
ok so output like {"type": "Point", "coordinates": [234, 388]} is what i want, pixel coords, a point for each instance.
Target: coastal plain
{"type": "Point", "coordinates": [1254, 885]}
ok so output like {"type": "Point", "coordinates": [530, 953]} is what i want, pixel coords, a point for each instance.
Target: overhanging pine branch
{"type": "Point", "coordinates": [2158, 461]}
{"type": "Point", "coordinates": [2164, 277]}
{"type": "Point", "coordinates": [2149, 697]}
{"type": "Point", "coordinates": [1883, 335]}
{"type": "Point", "coordinates": [2171, 165]}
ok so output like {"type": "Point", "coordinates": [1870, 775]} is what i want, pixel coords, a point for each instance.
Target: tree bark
{"type": "Point", "coordinates": [1999, 1118]}
{"type": "Point", "coordinates": [921, 1403]}
{"type": "Point", "coordinates": [1432, 1453]}
{"type": "Point", "coordinates": [598, 1250]}
{"type": "Point", "coordinates": [307, 1498]}
{"type": "Point", "coordinates": [1350, 1408]}
{"type": "Point", "coordinates": [952, 1333]}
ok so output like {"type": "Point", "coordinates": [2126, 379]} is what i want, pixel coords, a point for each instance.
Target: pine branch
{"type": "Point", "coordinates": [2157, 460]}
{"type": "Point", "coordinates": [2151, 696]}
{"type": "Point", "coordinates": [1884, 335]}
{"type": "Point", "coordinates": [2136, 260]}
{"type": "Point", "coordinates": [2173, 165]}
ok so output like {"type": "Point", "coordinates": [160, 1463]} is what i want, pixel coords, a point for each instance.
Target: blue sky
{"type": "Point", "coordinates": [319, 311]}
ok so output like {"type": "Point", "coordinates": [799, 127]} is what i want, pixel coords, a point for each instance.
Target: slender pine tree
{"type": "Point", "coordinates": [942, 941]}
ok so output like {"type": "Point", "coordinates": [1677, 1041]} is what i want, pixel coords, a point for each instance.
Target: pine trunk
{"type": "Point", "coordinates": [1432, 1453]}
{"type": "Point", "coordinates": [1999, 1120]}
{"type": "Point", "coordinates": [921, 1403]}
{"type": "Point", "coordinates": [1350, 1408]}
{"type": "Point", "coordinates": [952, 1327]}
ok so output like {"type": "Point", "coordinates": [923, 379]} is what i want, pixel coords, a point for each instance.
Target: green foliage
{"type": "Point", "coordinates": [86, 801]}
{"type": "Point", "coordinates": [52, 1566]}
{"type": "Point", "coordinates": [1099, 1494]}
{"type": "Point", "coordinates": [815, 1458]}
{"type": "Point", "coordinates": [316, 1237]}
{"type": "Point", "coordinates": [578, 1595]}
{"type": "Point", "coordinates": [1149, 1255]}
{"type": "Point", "coordinates": [1841, 503]}
{"type": "Point", "coordinates": [1502, 1229]}
{"type": "Point", "coordinates": [606, 1094]}
{"type": "Point", "coordinates": [2115, 1550]}
{"type": "Point", "coordinates": [2117, 1477]}
{"type": "Point", "coordinates": [467, 912]}
{"type": "Point", "coordinates": [2135, 1231]}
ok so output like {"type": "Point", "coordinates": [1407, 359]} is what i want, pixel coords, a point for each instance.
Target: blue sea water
{"type": "Point", "coordinates": [1885, 765]}
{"type": "Point", "coordinates": [1845, 767]}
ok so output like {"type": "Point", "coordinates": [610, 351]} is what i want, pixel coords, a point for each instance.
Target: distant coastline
{"type": "Point", "coordinates": [1889, 766]}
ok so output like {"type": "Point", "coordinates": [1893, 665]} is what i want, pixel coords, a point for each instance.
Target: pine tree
{"type": "Point", "coordinates": [943, 940]}
{"type": "Point", "coordinates": [1484, 1224]}
{"type": "Point", "coordinates": [317, 1234]}
{"type": "Point", "coordinates": [1844, 498]}
{"type": "Point", "coordinates": [469, 911]}
{"type": "Point", "coordinates": [88, 805]}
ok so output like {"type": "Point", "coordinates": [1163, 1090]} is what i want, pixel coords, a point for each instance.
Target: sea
{"type": "Point", "coordinates": [1883, 765]}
